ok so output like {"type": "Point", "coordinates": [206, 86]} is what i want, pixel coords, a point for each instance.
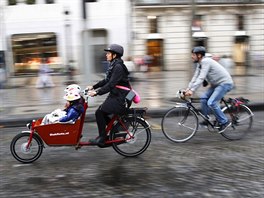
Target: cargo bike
{"type": "Point", "coordinates": [129, 134]}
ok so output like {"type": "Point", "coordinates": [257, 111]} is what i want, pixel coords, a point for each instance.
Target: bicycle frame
{"type": "Point", "coordinates": [226, 106]}
{"type": "Point", "coordinates": [198, 112]}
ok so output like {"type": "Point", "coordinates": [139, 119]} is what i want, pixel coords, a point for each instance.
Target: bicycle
{"type": "Point", "coordinates": [129, 134]}
{"type": "Point", "coordinates": [180, 123]}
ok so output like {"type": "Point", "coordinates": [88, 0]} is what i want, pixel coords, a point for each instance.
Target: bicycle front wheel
{"type": "Point", "coordinates": [20, 151]}
{"type": "Point", "coordinates": [241, 117]}
{"type": "Point", "coordinates": [179, 124]}
{"type": "Point", "coordinates": [134, 143]}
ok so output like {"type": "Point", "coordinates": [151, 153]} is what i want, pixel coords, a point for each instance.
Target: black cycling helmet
{"type": "Point", "coordinates": [199, 50]}
{"type": "Point", "coordinates": [115, 48]}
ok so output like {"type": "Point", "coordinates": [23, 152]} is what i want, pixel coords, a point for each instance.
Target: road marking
{"type": "Point", "coordinates": [19, 165]}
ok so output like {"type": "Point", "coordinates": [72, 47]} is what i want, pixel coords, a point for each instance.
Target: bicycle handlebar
{"type": "Point", "coordinates": [181, 94]}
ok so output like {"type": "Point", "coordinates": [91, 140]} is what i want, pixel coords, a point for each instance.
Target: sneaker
{"type": "Point", "coordinates": [98, 140]}
{"type": "Point", "coordinates": [223, 127]}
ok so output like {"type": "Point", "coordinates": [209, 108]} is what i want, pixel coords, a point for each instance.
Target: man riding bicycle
{"type": "Point", "coordinates": [208, 70]}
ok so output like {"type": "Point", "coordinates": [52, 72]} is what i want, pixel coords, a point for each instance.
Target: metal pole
{"type": "Point", "coordinates": [193, 12]}
{"type": "Point", "coordinates": [67, 13]}
{"type": "Point", "coordinates": [87, 57]}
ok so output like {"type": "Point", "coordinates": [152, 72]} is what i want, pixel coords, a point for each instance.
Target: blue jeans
{"type": "Point", "coordinates": [210, 102]}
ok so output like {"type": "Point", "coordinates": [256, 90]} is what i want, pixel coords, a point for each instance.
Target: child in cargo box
{"type": "Point", "coordinates": [73, 107]}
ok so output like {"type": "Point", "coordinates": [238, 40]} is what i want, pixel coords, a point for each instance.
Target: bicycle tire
{"type": "Point", "coordinates": [179, 124]}
{"type": "Point", "coordinates": [241, 118]}
{"type": "Point", "coordinates": [19, 151]}
{"type": "Point", "coordinates": [139, 129]}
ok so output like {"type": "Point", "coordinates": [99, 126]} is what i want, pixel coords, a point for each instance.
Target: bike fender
{"type": "Point", "coordinates": [181, 104]}
{"type": "Point", "coordinates": [251, 113]}
{"type": "Point", "coordinates": [141, 118]}
{"type": "Point", "coordinates": [25, 131]}
{"type": "Point", "coordinates": [145, 121]}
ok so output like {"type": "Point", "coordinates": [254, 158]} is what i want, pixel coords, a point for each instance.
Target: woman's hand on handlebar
{"type": "Point", "coordinates": [92, 93]}
{"type": "Point", "coordinates": [89, 88]}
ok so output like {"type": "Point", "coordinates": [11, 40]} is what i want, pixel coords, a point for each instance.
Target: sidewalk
{"type": "Point", "coordinates": [22, 102]}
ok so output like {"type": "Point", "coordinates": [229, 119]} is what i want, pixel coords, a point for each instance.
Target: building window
{"type": "Point", "coordinates": [240, 22]}
{"type": "Point", "coordinates": [30, 2]}
{"type": "Point", "coordinates": [49, 1]}
{"type": "Point", "coordinates": [12, 2]}
{"type": "Point", "coordinates": [153, 24]}
{"type": "Point", "coordinates": [197, 23]}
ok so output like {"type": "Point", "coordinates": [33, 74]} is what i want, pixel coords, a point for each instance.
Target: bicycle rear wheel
{"type": "Point", "coordinates": [136, 142]}
{"type": "Point", "coordinates": [179, 124]}
{"type": "Point", "coordinates": [241, 118]}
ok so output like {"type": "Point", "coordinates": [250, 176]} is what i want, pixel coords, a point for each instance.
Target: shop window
{"type": "Point", "coordinates": [153, 24]}
{"type": "Point", "coordinates": [29, 49]}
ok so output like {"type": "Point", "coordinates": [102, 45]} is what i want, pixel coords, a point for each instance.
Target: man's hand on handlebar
{"type": "Point", "coordinates": [188, 92]}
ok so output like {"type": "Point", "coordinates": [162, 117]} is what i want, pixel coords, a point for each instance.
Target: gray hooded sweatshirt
{"type": "Point", "coordinates": [210, 70]}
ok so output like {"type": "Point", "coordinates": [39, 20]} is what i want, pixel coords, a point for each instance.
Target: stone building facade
{"type": "Point", "coordinates": [167, 30]}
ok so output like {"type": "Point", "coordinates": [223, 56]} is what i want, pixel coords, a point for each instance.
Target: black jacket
{"type": "Point", "coordinates": [117, 74]}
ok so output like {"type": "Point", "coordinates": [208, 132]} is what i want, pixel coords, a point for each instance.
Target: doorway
{"type": "Point", "coordinates": [240, 52]}
{"type": "Point", "coordinates": [154, 56]}
{"type": "Point", "coordinates": [99, 42]}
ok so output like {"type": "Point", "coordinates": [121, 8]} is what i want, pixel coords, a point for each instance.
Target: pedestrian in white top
{"type": "Point", "coordinates": [44, 78]}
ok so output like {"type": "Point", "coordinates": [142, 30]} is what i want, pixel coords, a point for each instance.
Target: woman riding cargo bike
{"type": "Point", "coordinates": [120, 126]}
{"type": "Point", "coordinates": [116, 83]}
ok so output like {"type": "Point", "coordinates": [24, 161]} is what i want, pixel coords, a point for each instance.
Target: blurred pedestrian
{"type": "Point", "coordinates": [147, 62]}
{"type": "Point", "coordinates": [131, 67]}
{"type": "Point", "coordinates": [220, 83]}
{"type": "Point", "coordinates": [44, 77]}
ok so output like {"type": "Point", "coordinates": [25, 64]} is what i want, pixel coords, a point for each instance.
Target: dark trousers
{"type": "Point", "coordinates": [102, 119]}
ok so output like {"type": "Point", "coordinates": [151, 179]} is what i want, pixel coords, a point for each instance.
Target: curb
{"type": "Point", "coordinates": [20, 121]}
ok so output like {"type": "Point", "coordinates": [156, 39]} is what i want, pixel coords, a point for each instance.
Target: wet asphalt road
{"type": "Point", "coordinates": [206, 166]}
